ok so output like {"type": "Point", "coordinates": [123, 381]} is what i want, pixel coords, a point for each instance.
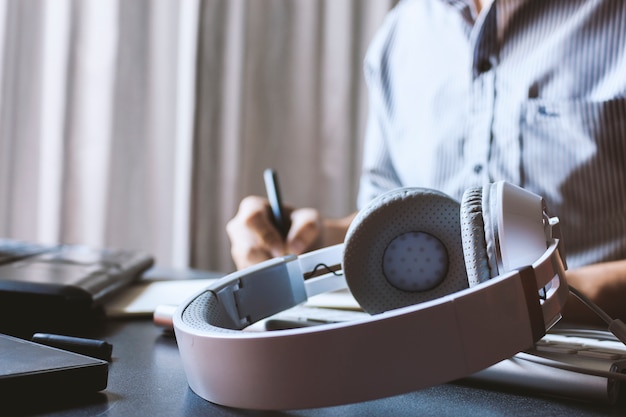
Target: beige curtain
{"type": "Point", "coordinates": [280, 84]}
{"type": "Point", "coordinates": [96, 112]}
{"type": "Point", "coordinates": [142, 123]}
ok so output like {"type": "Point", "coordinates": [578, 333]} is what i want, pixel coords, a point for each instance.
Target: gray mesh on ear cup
{"type": "Point", "coordinates": [475, 231]}
{"type": "Point", "coordinates": [390, 215]}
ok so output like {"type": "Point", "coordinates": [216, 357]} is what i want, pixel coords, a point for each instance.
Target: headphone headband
{"type": "Point", "coordinates": [274, 370]}
{"type": "Point", "coordinates": [393, 352]}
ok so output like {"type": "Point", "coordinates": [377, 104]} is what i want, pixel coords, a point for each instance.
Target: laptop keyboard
{"type": "Point", "coordinates": [14, 250]}
{"type": "Point", "coordinates": [98, 271]}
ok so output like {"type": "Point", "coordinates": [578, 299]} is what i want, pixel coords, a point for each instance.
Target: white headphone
{"type": "Point", "coordinates": [438, 314]}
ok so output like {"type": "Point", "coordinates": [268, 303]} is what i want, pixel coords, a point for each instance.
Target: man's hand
{"type": "Point", "coordinates": [254, 237]}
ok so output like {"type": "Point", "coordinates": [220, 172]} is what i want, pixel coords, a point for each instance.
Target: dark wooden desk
{"type": "Point", "coordinates": [146, 379]}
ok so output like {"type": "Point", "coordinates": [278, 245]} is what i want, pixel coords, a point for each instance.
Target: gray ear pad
{"type": "Point", "coordinates": [477, 245]}
{"type": "Point", "coordinates": [405, 248]}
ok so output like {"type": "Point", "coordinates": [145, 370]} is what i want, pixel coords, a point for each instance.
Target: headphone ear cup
{"type": "Point", "coordinates": [476, 239]}
{"type": "Point", "coordinates": [404, 248]}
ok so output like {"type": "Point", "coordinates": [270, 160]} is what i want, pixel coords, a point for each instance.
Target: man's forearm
{"type": "Point", "coordinates": [604, 284]}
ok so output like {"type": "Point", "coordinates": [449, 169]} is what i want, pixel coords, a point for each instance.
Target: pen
{"type": "Point", "coordinates": [90, 347]}
{"type": "Point", "coordinates": [281, 221]}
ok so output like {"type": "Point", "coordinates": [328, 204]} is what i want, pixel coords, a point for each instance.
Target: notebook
{"type": "Point", "coordinates": [57, 287]}
{"type": "Point", "coordinates": [31, 370]}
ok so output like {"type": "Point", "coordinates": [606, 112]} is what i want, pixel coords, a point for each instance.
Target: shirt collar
{"type": "Point", "coordinates": [467, 8]}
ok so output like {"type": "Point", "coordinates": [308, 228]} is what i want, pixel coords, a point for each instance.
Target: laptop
{"type": "Point", "coordinates": [60, 287]}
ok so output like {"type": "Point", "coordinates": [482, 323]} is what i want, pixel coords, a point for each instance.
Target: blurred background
{"type": "Point", "coordinates": [142, 123]}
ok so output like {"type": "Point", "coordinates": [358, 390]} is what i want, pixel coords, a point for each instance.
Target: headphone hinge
{"type": "Point", "coordinates": [533, 302]}
{"type": "Point", "coordinates": [272, 287]}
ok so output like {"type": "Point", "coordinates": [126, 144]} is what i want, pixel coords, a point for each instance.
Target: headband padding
{"type": "Point", "coordinates": [206, 313]}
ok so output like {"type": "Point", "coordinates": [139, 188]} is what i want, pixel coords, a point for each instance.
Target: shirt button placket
{"type": "Point", "coordinates": [483, 97]}
{"type": "Point", "coordinates": [479, 138]}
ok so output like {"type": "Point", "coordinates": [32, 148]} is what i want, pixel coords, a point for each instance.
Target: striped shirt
{"type": "Point", "coordinates": [528, 91]}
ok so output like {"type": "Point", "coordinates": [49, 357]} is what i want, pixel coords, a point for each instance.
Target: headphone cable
{"type": "Point", "coordinates": [615, 326]}
{"type": "Point", "coordinates": [540, 360]}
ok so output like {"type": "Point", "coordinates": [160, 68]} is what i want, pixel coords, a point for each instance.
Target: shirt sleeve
{"type": "Point", "coordinates": [378, 174]}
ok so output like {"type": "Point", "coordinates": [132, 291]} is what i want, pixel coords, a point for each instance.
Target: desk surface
{"type": "Point", "coordinates": [146, 379]}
